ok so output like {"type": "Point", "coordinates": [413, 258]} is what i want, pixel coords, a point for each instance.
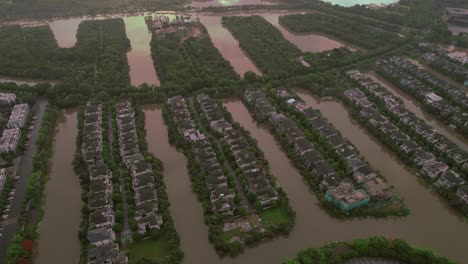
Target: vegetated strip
{"type": "Point", "coordinates": [345, 184]}
{"type": "Point", "coordinates": [412, 143]}
{"type": "Point", "coordinates": [349, 31]}
{"type": "Point", "coordinates": [32, 211]}
{"type": "Point", "coordinates": [98, 58]}
{"type": "Point", "coordinates": [243, 203]}
{"type": "Point", "coordinates": [148, 206]}
{"type": "Point", "coordinates": [395, 70]}
{"type": "Point", "coordinates": [368, 250]}
{"type": "Point", "coordinates": [265, 45]}
{"type": "Point", "coordinates": [188, 57]}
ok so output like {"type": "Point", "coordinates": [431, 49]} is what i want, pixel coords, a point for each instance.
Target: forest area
{"type": "Point", "coordinates": [265, 45]}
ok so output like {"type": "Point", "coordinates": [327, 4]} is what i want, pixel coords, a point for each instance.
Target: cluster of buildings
{"type": "Point", "coordinates": [220, 195]}
{"type": "Point", "coordinates": [457, 56]}
{"type": "Point", "coordinates": [143, 183]}
{"type": "Point", "coordinates": [396, 68]}
{"type": "Point", "coordinates": [7, 98]}
{"type": "Point", "coordinates": [425, 161]}
{"type": "Point", "coordinates": [454, 69]}
{"type": "Point", "coordinates": [18, 118]}
{"type": "Point", "coordinates": [256, 178]}
{"type": "Point", "coordinates": [162, 24]}
{"type": "Point", "coordinates": [363, 185]}
{"type": "Point", "coordinates": [103, 247]}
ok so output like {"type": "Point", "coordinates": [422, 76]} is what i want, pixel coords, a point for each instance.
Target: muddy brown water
{"type": "Point", "coordinates": [432, 223]}
{"type": "Point", "coordinates": [58, 230]}
{"type": "Point", "coordinates": [139, 57]}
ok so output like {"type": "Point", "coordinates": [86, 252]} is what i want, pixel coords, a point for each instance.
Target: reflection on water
{"type": "Point", "coordinates": [58, 231]}
{"type": "Point", "coordinates": [139, 57]}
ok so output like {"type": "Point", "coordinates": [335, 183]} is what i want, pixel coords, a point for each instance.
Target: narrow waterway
{"type": "Point", "coordinates": [139, 57]}
{"type": "Point", "coordinates": [415, 107]}
{"type": "Point", "coordinates": [207, 3]}
{"type": "Point", "coordinates": [227, 45]}
{"type": "Point", "coordinates": [58, 230]}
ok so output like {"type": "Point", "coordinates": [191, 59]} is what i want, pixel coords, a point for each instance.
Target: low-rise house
{"type": "Point", "coordinates": [311, 158]}
{"type": "Point", "coordinates": [422, 157]}
{"type": "Point", "coordinates": [445, 146]}
{"type": "Point", "coordinates": [7, 98]}
{"type": "Point", "coordinates": [146, 209]}
{"type": "Point", "coordinates": [329, 181]}
{"type": "Point", "coordinates": [106, 254]}
{"type": "Point", "coordinates": [19, 116]}
{"type": "Point", "coordinates": [145, 195]}
{"type": "Point", "coordinates": [462, 193]}
{"type": "Point", "coordinates": [449, 179]}
{"type": "Point", "coordinates": [346, 197]}
{"type": "Point", "coordinates": [433, 170]}
{"type": "Point", "coordinates": [221, 193]}
{"type": "Point", "coordinates": [377, 189]}
{"type": "Point", "coordinates": [98, 186]}
{"type": "Point", "coordinates": [149, 222]}
{"type": "Point", "coordinates": [101, 218]}
{"type": "Point", "coordinates": [364, 173]}
{"type": "Point", "coordinates": [99, 201]}
{"type": "Point", "coordinates": [143, 181]}
{"type": "Point", "coordinates": [302, 146]}
{"type": "Point", "coordinates": [409, 146]}
{"type": "Point", "coordinates": [141, 168]}
{"type": "Point", "coordinates": [336, 141]}
{"type": "Point", "coordinates": [101, 236]}
{"type": "Point", "coordinates": [388, 128]}
{"type": "Point", "coordinates": [459, 156]}
{"type": "Point", "coordinates": [398, 137]}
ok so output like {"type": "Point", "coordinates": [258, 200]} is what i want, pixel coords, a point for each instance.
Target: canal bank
{"type": "Point", "coordinates": [62, 203]}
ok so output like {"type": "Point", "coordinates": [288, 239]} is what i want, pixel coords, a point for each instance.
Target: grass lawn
{"type": "Point", "coordinates": [148, 248]}
{"type": "Point", "coordinates": [275, 216]}
{"type": "Point", "coordinates": [226, 236]}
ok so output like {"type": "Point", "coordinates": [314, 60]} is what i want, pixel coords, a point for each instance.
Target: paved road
{"type": "Point", "coordinates": [24, 168]}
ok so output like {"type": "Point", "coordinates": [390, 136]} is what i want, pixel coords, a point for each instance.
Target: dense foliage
{"type": "Point", "coordinates": [392, 249]}
{"type": "Point", "coordinates": [265, 45]}
{"type": "Point", "coordinates": [194, 62]}
{"type": "Point", "coordinates": [342, 28]}
{"type": "Point", "coordinates": [97, 61]}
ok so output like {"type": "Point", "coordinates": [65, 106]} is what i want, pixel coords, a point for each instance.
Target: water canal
{"type": "Point", "coordinates": [315, 228]}
{"type": "Point", "coordinates": [58, 230]}
{"type": "Point", "coordinates": [417, 109]}
{"type": "Point", "coordinates": [139, 57]}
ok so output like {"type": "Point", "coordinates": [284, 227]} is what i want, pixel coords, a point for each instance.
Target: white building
{"type": "Point", "coordinates": [3, 177]}
{"type": "Point", "coordinates": [7, 98]}
{"type": "Point", "coordinates": [9, 140]}
{"type": "Point", "coordinates": [18, 116]}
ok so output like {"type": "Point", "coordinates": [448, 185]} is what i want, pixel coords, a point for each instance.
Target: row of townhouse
{"type": "Point", "coordinates": [102, 245]}
{"type": "Point", "coordinates": [147, 214]}
{"type": "Point", "coordinates": [425, 161]}
{"type": "Point", "coordinates": [452, 55]}
{"type": "Point", "coordinates": [454, 114]}
{"type": "Point", "coordinates": [7, 98]}
{"type": "Point", "coordinates": [313, 161]}
{"type": "Point", "coordinates": [12, 134]}
{"type": "Point", "coordinates": [442, 145]}
{"type": "Point", "coordinates": [221, 196]}
{"type": "Point", "coordinates": [454, 69]}
{"type": "Point", "coordinates": [257, 180]}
